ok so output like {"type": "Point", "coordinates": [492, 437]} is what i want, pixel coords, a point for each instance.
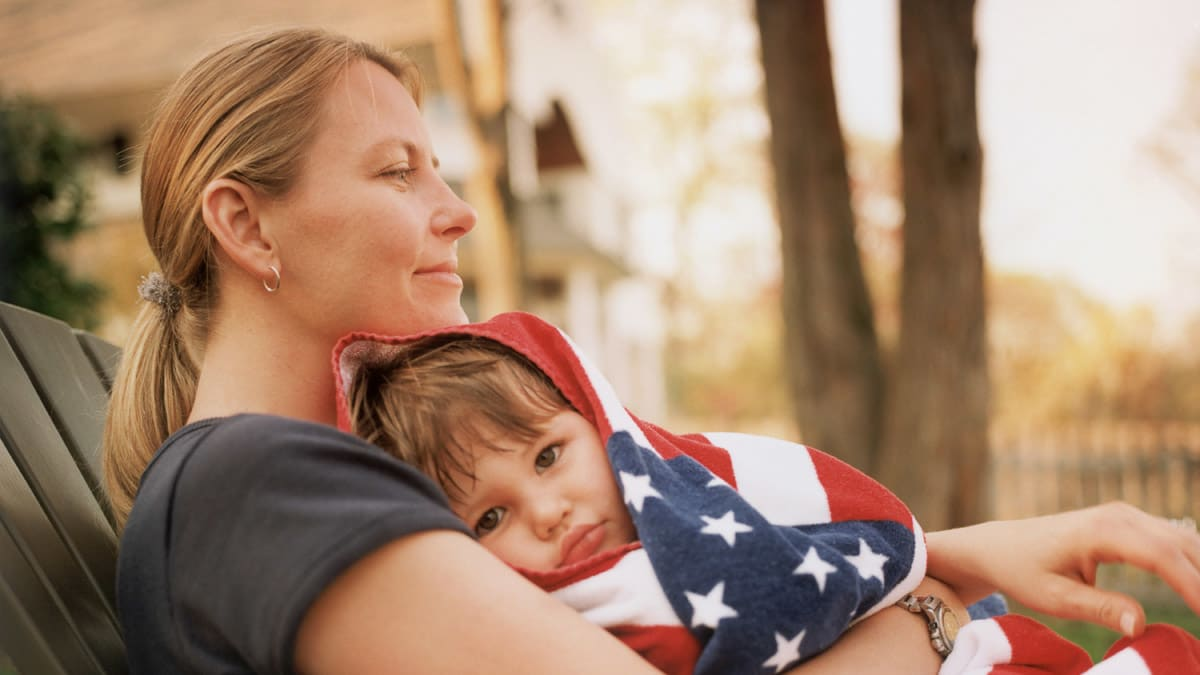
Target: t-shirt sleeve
{"type": "Point", "coordinates": [268, 513]}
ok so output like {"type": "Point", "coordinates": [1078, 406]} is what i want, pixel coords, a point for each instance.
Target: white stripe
{"type": "Point", "coordinates": [777, 477]}
{"type": "Point", "coordinates": [627, 594]}
{"type": "Point", "coordinates": [1125, 662]}
{"type": "Point", "coordinates": [618, 417]}
{"type": "Point", "coordinates": [915, 574]}
{"type": "Point", "coordinates": [979, 646]}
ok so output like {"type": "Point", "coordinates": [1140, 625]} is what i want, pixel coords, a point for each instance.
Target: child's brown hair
{"type": "Point", "coordinates": [439, 396]}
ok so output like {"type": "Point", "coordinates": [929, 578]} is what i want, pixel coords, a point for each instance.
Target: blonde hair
{"type": "Point", "coordinates": [247, 111]}
{"type": "Point", "coordinates": [439, 397]}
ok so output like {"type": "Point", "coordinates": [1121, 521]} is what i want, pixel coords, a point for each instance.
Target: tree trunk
{"type": "Point", "coordinates": [830, 345]}
{"type": "Point", "coordinates": [934, 448]}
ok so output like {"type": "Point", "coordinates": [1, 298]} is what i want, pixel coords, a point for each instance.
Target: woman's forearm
{"type": "Point", "coordinates": [437, 602]}
{"type": "Point", "coordinates": [953, 558]}
{"type": "Point", "coordinates": [891, 641]}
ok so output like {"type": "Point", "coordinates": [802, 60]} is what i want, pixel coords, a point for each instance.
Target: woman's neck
{"type": "Point", "coordinates": [248, 368]}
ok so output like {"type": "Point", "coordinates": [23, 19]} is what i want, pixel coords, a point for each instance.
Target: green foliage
{"type": "Point", "coordinates": [42, 202]}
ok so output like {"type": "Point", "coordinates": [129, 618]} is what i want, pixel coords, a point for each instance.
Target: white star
{"type": "Point", "coordinates": [868, 562]}
{"type": "Point", "coordinates": [787, 652]}
{"type": "Point", "coordinates": [637, 490]}
{"type": "Point", "coordinates": [708, 610]}
{"type": "Point", "coordinates": [814, 565]}
{"type": "Point", "coordinates": [726, 526]}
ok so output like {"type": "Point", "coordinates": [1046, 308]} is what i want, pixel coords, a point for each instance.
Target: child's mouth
{"type": "Point", "coordinates": [581, 542]}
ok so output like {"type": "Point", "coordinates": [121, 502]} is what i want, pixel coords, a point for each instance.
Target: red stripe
{"type": "Point", "coordinates": [1165, 649]}
{"type": "Point", "coordinates": [852, 494]}
{"type": "Point", "coordinates": [715, 459]}
{"type": "Point", "coordinates": [552, 580]}
{"type": "Point", "coordinates": [671, 649]}
{"type": "Point", "coordinates": [1037, 649]}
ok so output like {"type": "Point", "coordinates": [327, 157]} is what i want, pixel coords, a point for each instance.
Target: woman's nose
{"type": "Point", "coordinates": [454, 217]}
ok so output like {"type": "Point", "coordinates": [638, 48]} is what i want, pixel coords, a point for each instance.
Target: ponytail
{"type": "Point", "coordinates": [151, 398]}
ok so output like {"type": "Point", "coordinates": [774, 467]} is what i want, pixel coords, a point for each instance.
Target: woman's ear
{"type": "Point", "coordinates": [230, 210]}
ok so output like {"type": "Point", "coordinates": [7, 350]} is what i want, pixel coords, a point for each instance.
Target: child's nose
{"type": "Point", "coordinates": [549, 512]}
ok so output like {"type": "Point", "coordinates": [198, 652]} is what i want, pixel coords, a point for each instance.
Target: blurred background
{"type": "Point", "coordinates": [958, 247]}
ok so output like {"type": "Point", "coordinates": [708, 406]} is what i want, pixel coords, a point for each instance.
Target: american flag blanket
{"type": "Point", "coordinates": [753, 554]}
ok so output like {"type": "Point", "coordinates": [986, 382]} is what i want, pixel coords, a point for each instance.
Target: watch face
{"type": "Point", "coordinates": [949, 625]}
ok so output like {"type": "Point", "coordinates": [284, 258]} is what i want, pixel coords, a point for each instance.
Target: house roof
{"type": "Point", "coordinates": [72, 49]}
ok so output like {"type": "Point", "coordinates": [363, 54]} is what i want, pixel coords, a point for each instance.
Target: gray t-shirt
{"type": "Point", "coordinates": [239, 525]}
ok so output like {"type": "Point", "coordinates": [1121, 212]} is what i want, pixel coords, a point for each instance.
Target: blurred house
{"type": "Point", "coordinates": [515, 104]}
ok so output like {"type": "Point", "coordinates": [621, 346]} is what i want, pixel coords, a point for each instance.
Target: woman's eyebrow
{"type": "Point", "coordinates": [410, 149]}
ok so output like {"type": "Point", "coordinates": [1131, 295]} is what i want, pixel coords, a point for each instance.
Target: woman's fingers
{"type": "Point", "coordinates": [1123, 534]}
{"type": "Point", "coordinates": [1074, 599]}
{"type": "Point", "coordinates": [1061, 574]}
{"type": "Point", "coordinates": [1171, 550]}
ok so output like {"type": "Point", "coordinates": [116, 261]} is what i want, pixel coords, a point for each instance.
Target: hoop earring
{"type": "Point", "coordinates": [272, 289]}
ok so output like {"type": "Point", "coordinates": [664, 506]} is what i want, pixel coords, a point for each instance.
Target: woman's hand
{"type": "Point", "coordinates": [1049, 563]}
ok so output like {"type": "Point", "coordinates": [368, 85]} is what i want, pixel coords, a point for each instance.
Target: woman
{"type": "Point", "coordinates": [290, 195]}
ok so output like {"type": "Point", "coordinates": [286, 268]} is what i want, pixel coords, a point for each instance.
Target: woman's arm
{"type": "Point", "coordinates": [891, 641]}
{"type": "Point", "coordinates": [437, 602]}
{"type": "Point", "coordinates": [1049, 563]}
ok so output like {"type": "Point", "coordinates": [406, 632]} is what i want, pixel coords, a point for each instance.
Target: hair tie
{"type": "Point", "coordinates": [155, 288]}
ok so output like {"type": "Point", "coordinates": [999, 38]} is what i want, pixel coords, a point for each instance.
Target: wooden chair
{"type": "Point", "coordinates": [57, 542]}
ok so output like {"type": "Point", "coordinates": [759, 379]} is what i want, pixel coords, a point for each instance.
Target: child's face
{"type": "Point", "coordinates": [548, 503]}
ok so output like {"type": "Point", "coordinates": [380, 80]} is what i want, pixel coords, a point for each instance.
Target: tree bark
{"type": "Point", "coordinates": [833, 363]}
{"type": "Point", "coordinates": [934, 447]}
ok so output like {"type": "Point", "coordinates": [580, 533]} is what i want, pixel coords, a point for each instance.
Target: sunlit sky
{"type": "Point", "coordinates": [1072, 94]}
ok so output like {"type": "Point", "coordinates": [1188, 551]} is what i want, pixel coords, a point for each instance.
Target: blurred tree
{"type": "Point", "coordinates": [934, 445]}
{"type": "Point", "coordinates": [923, 427]}
{"type": "Point", "coordinates": [832, 354]}
{"type": "Point", "coordinates": [1060, 357]}
{"type": "Point", "coordinates": [733, 382]}
{"type": "Point", "coordinates": [41, 202]}
{"type": "Point", "coordinates": [691, 74]}
{"type": "Point", "coordinates": [1177, 143]}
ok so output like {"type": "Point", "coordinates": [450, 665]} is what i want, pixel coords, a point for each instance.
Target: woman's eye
{"type": "Point", "coordinates": [547, 457]}
{"type": "Point", "coordinates": [401, 175]}
{"type": "Point", "coordinates": [489, 521]}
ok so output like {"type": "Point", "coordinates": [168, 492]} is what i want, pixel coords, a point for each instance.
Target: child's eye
{"type": "Point", "coordinates": [490, 520]}
{"type": "Point", "coordinates": [547, 457]}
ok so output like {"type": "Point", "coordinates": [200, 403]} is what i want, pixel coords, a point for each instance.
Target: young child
{"type": "Point", "coordinates": [722, 553]}
{"type": "Point", "coordinates": [486, 424]}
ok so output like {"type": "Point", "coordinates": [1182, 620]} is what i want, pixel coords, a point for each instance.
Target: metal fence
{"type": "Point", "coordinates": [1153, 466]}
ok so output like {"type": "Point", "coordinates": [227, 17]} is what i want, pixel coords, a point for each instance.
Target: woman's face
{"type": "Point", "coordinates": [367, 236]}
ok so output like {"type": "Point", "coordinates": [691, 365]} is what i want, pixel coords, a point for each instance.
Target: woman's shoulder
{"type": "Point", "coordinates": [248, 439]}
{"type": "Point", "coordinates": [263, 432]}
{"type": "Point", "coordinates": [244, 521]}
{"type": "Point", "coordinates": [251, 459]}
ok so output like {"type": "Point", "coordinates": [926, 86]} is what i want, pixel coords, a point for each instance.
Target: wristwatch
{"type": "Point", "coordinates": [943, 624]}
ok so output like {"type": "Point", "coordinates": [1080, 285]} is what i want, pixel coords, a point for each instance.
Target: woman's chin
{"type": "Point", "coordinates": [450, 315]}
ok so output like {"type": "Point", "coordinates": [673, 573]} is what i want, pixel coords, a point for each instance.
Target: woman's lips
{"type": "Point", "coordinates": [581, 542]}
{"type": "Point", "coordinates": [445, 273]}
